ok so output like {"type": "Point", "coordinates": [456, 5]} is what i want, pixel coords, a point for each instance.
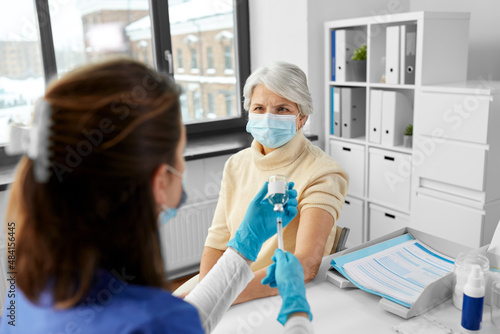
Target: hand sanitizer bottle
{"type": "Point", "coordinates": [472, 309]}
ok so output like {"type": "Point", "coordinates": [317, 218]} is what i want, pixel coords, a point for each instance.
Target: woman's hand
{"type": "Point", "coordinates": [259, 223]}
{"type": "Point", "coordinates": [287, 275]}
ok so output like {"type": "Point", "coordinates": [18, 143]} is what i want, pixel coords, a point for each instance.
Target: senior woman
{"type": "Point", "coordinates": [278, 102]}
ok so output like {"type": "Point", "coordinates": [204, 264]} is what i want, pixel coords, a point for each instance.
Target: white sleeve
{"type": "Point", "coordinates": [298, 325]}
{"type": "Point", "coordinates": [218, 290]}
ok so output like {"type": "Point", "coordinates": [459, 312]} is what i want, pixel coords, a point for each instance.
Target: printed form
{"type": "Point", "coordinates": [400, 272]}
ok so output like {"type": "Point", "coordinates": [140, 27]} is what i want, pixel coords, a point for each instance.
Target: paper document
{"type": "Point", "coordinates": [398, 272]}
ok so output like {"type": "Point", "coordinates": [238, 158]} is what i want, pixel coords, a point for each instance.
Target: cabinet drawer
{"type": "Point", "coordinates": [448, 220]}
{"type": "Point", "coordinates": [390, 178]}
{"type": "Point", "coordinates": [352, 217]}
{"type": "Point", "coordinates": [459, 116]}
{"type": "Point", "coordinates": [352, 158]}
{"type": "Point", "coordinates": [384, 221]}
{"type": "Point", "coordinates": [459, 164]}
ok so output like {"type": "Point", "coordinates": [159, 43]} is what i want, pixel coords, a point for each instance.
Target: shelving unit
{"type": "Point", "coordinates": [374, 183]}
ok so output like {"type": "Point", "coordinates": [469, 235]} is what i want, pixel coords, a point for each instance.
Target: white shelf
{"type": "Point", "coordinates": [390, 86]}
{"type": "Point", "coordinates": [359, 140]}
{"type": "Point", "coordinates": [467, 87]}
{"type": "Point", "coordinates": [348, 83]}
{"type": "Point", "coordinates": [400, 149]}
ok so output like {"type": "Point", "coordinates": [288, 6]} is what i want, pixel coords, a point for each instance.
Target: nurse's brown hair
{"type": "Point", "coordinates": [112, 125]}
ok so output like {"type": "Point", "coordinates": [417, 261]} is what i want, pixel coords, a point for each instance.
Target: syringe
{"type": "Point", "coordinates": [279, 209]}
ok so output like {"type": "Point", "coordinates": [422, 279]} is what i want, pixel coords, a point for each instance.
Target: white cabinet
{"type": "Point", "coordinates": [389, 178]}
{"type": "Point", "coordinates": [352, 217]}
{"type": "Point", "coordinates": [457, 161]}
{"type": "Point", "coordinates": [457, 115]}
{"type": "Point", "coordinates": [453, 162]}
{"type": "Point", "coordinates": [384, 221]}
{"type": "Point", "coordinates": [352, 158]}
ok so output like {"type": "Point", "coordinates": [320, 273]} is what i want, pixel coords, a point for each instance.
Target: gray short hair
{"type": "Point", "coordinates": [284, 79]}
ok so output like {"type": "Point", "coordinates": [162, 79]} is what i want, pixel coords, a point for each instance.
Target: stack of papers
{"type": "Point", "coordinates": [398, 269]}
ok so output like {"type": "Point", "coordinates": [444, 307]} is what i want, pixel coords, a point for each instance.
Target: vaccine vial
{"type": "Point", "coordinates": [277, 191]}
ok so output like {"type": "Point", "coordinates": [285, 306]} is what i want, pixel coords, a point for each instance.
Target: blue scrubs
{"type": "Point", "coordinates": [112, 306]}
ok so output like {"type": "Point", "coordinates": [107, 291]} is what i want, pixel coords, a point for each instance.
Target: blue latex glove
{"type": "Point", "coordinates": [259, 223]}
{"type": "Point", "coordinates": [287, 274]}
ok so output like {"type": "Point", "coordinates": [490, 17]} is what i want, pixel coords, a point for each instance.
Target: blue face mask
{"type": "Point", "coordinates": [272, 130]}
{"type": "Point", "coordinates": [168, 213]}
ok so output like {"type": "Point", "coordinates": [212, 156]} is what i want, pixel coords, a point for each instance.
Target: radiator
{"type": "Point", "coordinates": [183, 238]}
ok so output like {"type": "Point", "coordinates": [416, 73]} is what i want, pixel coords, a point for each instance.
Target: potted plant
{"type": "Point", "coordinates": [359, 63]}
{"type": "Point", "coordinates": [408, 135]}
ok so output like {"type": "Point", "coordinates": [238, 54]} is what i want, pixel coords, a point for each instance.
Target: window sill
{"type": "Point", "coordinates": [217, 144]}
{"type": "Point", "coordinates": [8, 166]}
{"type": "Point", "coordinates": [197, 147]}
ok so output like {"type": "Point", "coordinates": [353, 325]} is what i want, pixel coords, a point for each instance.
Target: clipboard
{"type": "Point", "coordinates": [433, 295]}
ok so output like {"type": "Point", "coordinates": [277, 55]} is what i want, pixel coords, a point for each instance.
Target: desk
{"type": "Point", "coordinates": [335, 310]}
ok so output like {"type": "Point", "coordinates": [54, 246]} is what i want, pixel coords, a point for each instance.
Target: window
{"type": "Point", "coordinates": [21, 71]}
{"type": "Point", "coordinates": [211, 106]}
{"type": "Point", "coordinates": [229, 103]}
{"type": "Point", "coordinates": [194, 59]}
{"type": "Point", "coordinates": [210, 58]}
{"type": "Point", "coordinates": [198, 111]}
{"type": "Point", "coordinates": [216, 33]}
{"type": "Point", "coordinates": [205, 35]}
{"type": "Point", "coordinates": [179, 59]}
{"type": "Point", "coordinates": [228, 59]}
{"type": "Point", "coordinates": [85, 31]}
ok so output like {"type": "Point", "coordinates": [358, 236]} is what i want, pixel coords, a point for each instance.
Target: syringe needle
{"type": "Point", "coordinates": [280, 232]}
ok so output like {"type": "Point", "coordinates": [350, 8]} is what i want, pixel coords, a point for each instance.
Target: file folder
{"type": "Point", "coordinates": [353, 112]}
{"type": "Point", "coordinates": [332, 113]}
{"type": "Point", "coordinates": [344, 49]}
{"type": "Point", "coordinates": [375, 125]}
{"type": "Point", "coordinates": [332, 41]}
{"type": "Point", "coordinates": [397, 113]}
{"type": "Point", "coordinates": [337, 116]}
{"type": "Point", "coordinates": [392, 54]}
{"type": "Point", "coordinates": [408, 52]}
{"type": "Point", "coordinates": [433, 295]}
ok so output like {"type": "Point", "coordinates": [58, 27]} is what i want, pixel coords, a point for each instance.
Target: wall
{"type": "Point", "coordinates": [293, 31]}
{"type": "Point", "coordinates": [278, 31]}
{"type": "Point", "coordinates": [484, 36]}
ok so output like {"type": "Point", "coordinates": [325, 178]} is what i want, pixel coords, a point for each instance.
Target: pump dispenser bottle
{"type": "Point", "coordinates": [472, 310]}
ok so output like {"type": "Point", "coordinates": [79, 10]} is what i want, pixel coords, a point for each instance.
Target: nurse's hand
{"type": "Point", "coordinates": [259, 223]}
{"type": "Point", "coordinates": [287, 274]}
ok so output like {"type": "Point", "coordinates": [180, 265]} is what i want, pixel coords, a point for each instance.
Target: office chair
{"type": "Point", "coordinates": [340, 239]}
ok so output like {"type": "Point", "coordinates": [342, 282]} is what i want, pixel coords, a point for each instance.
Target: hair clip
{"type": "Point", "coordinates": [34, 141]}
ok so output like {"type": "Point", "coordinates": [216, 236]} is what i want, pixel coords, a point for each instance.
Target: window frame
{"type": "Point", "coordinates": [163, 56]}
{"type": "Point", "coordinates": [162, 44]}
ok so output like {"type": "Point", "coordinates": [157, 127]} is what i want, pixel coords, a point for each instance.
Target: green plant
{"type": "Point", "coordinates": [360, 53]}
{"type": "Point", "coordinates": [409, 130]}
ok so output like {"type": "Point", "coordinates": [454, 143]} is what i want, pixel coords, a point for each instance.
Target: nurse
{"type": "Point", "coordinates": [105, 168]}
{"type": "Point", "coordinates": [278, 101]}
